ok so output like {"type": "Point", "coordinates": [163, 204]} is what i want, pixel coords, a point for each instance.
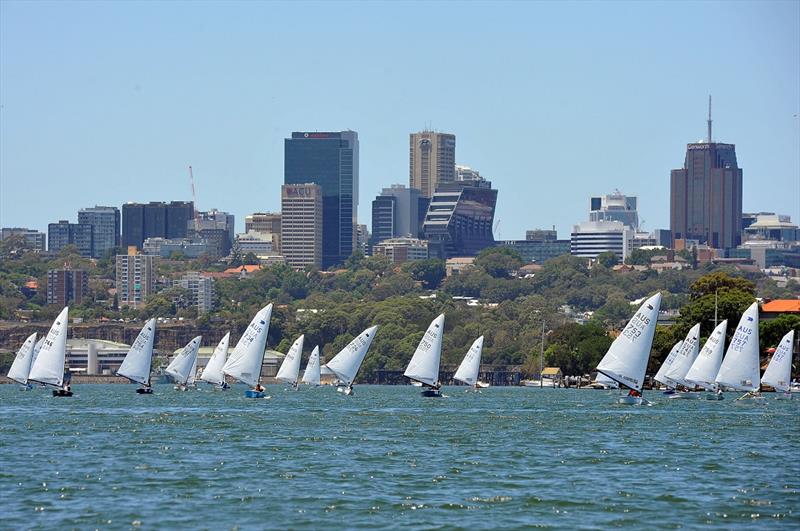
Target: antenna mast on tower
{"type": "Point", "coordinates": [194, 203]}
{"type": "Point", "coordinates": [709, 118]}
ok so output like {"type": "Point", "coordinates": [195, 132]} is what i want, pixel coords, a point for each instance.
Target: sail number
{"type": "Point", "coordinates": [636, 326]}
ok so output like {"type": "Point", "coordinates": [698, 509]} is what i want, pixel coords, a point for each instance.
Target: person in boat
{"type": "Point", "coordinates": [259, 388]}
{"type": "Point", "coordinates": [634, 393]}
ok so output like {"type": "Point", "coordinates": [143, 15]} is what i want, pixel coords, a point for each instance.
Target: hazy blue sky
{"type": "Point", "coordinates": [104, 103]}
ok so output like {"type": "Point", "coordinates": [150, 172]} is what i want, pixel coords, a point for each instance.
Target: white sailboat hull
{"type": "Point", "coordinates": [630, 400]}
{"type": "Point", "coordinates": [685, 395]}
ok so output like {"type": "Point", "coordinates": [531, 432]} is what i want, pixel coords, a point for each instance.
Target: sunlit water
{"type": "Point", "coordinates": [504, 458]}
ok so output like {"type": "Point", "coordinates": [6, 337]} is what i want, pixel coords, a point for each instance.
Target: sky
{"type": "Point", "coordinates": [104, 103]}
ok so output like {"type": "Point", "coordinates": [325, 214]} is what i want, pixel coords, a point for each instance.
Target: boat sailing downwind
{"type": "Point", "coordinates": [136, 365]}
{"type": "Point", "coordinates": [347, 362]}
{"type": "Point", "coordinates": [424, 365]}
{"type": "Point", "coordinates": [626, 359]}
{"type": "Point", "coordinates": [245, 362]}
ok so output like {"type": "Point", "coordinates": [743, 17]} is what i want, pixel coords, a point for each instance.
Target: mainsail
{"type": "Point", "coordinates": [470, 367]}
{"type": "Point", "coordinates": [705, 368]}
{"type": "Point", "coordinates": [740, 369]}
{"type": "Point", "coordinates": [48, 367]}
{"type": "Point", "coordinates": [245, 362]}
{"type": "Point", "coordinates": [685, 357]}
{"type": "Point", "coordinates": [779, 370]}
{"type": "Point", "coordinates": [668, 361]}
{"type": "Point", "coordinates": [21, 366]}
{"type": "Point", "coordinates": [181, 367]}
{"type": "Point", "coordinates": [290, 368]}
{"type": "Point", "coordinates": [213, 370]}
{"type": "Point", "coordinates": [136, 365]}
{"type": "Point", "coordinates": [346, 363]}
{"type": "Point", "coordinates": [311, 374]}
{"type": "Point", "coordinates": [424, 364]}
{"type": "Point", "coordinates": [626, 359]}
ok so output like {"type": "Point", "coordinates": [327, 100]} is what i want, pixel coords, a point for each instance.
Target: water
{"type": "Point", "coordinates": [505, 458]}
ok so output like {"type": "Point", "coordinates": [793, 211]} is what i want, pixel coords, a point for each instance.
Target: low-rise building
{"type": "Point", "coordinates": [33, 238]}
{"type": "Point", "coordinates": [400, 250]}
{"type": "Point", "coordinates": [592, 238]}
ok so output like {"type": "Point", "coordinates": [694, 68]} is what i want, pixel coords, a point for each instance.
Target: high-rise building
{"type": "Point", "coordinates": [154, 220]}
{"type": "Point", "coordinates": [265, 223]}
{"type": "Point", "coordinates": [201, 288]}
{"type": "Point", "coordinates": [615, 207]}
{"type": "Point", "coordinates": [432, 160]}
{"type": "Point", "coordinates": [329, 159]}
{"type": "Point", "coordinates": [64, 233]}
{"type": "Point", "coordinates": [33, 238]}
{"type": "Point", "coordinates": [215, 228]}
{"type": "Point", "coordinates": [302, 225]}
{"type": "Point", "coordinates": [105, 222]}
{"type": "Point", "coordinates": [465, 173]}
{"type": "Point", "coordinates": [395, 213]}
{"type": "Point", "coordinates": [136, 277]}
{"type": "Point", "coordinates": [362, 239]}
{"type": "Point", "coordinates": [67, 286]}
{"type": "Point", "coordinates": [459, 219]}
{"type": "Point", "coordinates": [592, 238]}
{"type": "Point", "coordinates": [706, 195]}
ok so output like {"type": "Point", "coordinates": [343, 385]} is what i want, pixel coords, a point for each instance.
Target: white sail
{"type": "Point", "coordinates": [136, 365]}
{"type": "Point", "coordinates": [685, 357]}
{"type": "Point", "coordinates": [668, 361]}
{"type": "Point", "coordinates": [470, 367]}
{"type": "Point", "coordinates": [181, 367]}
{"type": "Point", "coordinates": [424, 364]}
{"type": "Point", "coordinates": [213, 371]}
{"type": "Point", "coordinates": [48, 367]}
{"type": "Point", "coordinates": [705, 368]}
{"type": "Point", "coordinates": [626, 359]}
{"type": "Point", "coordinates": [346, 363]}
{"type": "Point", "coordinates": [192, 373]}
{"type": "Point", "coordinates": [740, 368]}
{"type": "Point", "coordinates": [36, 349]}
{"type": "Point", "coordinates": [290, 368]}
{"type": "Point", "coordinates": [247, 358]}
{"type": "Point", "coordinates": [779, 370]}
{"type": "Point", "coordinates": [311, 374]}
{"type": "Point", "coordinates": [605, 380]}
{"type": "Point", "coordinates": [21, 366]}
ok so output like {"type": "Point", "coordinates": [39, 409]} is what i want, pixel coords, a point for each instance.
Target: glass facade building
{"type": "Point", "coordinates": [105, 222]}
{"type": "Point", "coordinates": [155, 220]}
{"type": "Point", "coordinates": [329, 159]}
{"type": "Point", "coordinates": [459, 219]}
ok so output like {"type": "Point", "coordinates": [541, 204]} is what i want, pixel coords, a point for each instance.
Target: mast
{"type": "Point", "coordinates": [541, 360]}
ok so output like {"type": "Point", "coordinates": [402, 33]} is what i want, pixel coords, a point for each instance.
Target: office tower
{"type": "Point", "coordinates": [64, 233]}
{"type": "Point", "coordinates": [265, 223]}
{"type": "Point", "coordinates": [302, 225]}
{"type": "Point", "coordinates": [215, 228]}
{"type": "Point", "coordinates": [432, 160]}
{"type": "Point", "coordinates": [201, 289]}
{"type": "Point", "coordinates": [395, 213]}
{"type": "Point", "coordinates": [706, 195]}
{"type": "Point", "coordinates": [592, 238]}
{"type": "Point", "coordinates": [136, 277]}
{"type": "Point", "coordinates": [400, 250]}
{"type": "Point", "coordinates": [615, 207]}
{"type": "Point", "coordinates": [33, 238]}
{"type": "Point", "coordinates": [329, 159]}
{"type": "Point", "coordinates": [67, 286]}
{"type": "Point", "coordinates": [105, 222]}
{"type": "Point", "coordinates": [459, 219]}
{"type": "Point", "coordinates": [154, 220]}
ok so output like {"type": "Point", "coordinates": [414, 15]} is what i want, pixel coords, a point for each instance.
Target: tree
{"type": "Point", "coordinates": [718, 282]}
{"type": "Point", "coordinates": [430, 272]}
{"type": "Point", "coordinates": [607, 259]}
{"type": "Point", "coordinates": [772, 331]}
{"type": "Point", "coordinates": [499, 262]}
{"type": "Point", "coordinates": [250, 259]}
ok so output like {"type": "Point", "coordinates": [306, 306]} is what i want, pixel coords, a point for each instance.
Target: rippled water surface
{"type": "Point", "coordinates": [504, 458]}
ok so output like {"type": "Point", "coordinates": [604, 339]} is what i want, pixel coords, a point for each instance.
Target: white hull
{"type": "Point", "coordinates": [685, 395]}
{"type": "Point", "coordinates": [631, 400]}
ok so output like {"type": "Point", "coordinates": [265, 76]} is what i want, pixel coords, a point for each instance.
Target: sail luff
{"type": "Point", "coordinates": [470, 366]}
{"type": "Point", "coordinates": [48, 367]}
{"type": "Point", "coordinates": [779, 371]}
{"type": "Point", "coordinates": [136, 365]}
{"type": "Point", "coordinates": [289, 371]}
{"type": "Point", "coordinates": [424, 364]}
{"type": "Point", "coordinates": [212, 373]}
{"type": "Point", "coordinates": [21, 366]}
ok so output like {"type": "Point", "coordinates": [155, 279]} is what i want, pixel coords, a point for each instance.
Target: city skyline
{"type": "Point", "coordinates": [126, 120]}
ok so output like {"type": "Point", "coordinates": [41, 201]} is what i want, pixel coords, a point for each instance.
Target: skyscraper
{"type": "Point", "coordinates": [615, 207]}
{"type": "Point", "coordinates": [329, 159]}
{"type": "Point", "coordinates": [302, 226]}
{"type": "Point", "coordinates": [432, 160]}
{"type": "Point", "coordinates": [154, 220]}
{"type": "Point", "coordinates": [395, 213]}
{"type": "Point", "coordinates": [64, 233]}
{"type": "Point", "coordinates": [706, 195]}
{"type": "Point", "coordinates": [136, 277]}
{"type": "Point", "coordinates": [105, 222]}
{"type": "Point", "coordinates": [214, 227]}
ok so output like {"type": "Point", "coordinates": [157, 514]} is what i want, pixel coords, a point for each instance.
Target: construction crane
{"type": "Point", "coordinates": [194, 203]}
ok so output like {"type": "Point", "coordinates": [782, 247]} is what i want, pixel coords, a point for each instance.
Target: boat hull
{"type": "Point", "coordinates": [432, 393]}
{"type": "Point", "coordinates": [61, 393]}
{"type": "Point", "coordinates": [685, 395]}
{"type": "Point", "coordinates": [252, 393]}
{"type": "Point", "coordinates": [630, 400]}
{"type": "Point", "coordinates": [144, 391]}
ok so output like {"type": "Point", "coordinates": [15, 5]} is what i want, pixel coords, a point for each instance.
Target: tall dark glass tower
{"type": "Point", "coordinates": [331, 161]}
{"type": "Point", "coordinates": [706, 195]}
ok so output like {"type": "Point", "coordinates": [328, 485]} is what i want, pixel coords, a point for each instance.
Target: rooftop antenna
{"type": "Point", "coordinates": [709, 118]}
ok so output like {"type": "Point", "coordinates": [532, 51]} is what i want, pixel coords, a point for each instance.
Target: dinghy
{"type": "Point", "coordinates": [661, 375]}
{"type": "Point", "coordinates": [48, 367]}
{"type": "Point", "coordinates": [136, 365]}
{"type": "Point", "coordinates": [424, 365]}
{"type": "Point", "coordinates": [705, 368]}
{"type": "Point", "coordinates": [21, 366]}
{"type": "Point", "coordinates": [740, 370]}
{"type": "Point", "coordinates": [213, 370]}
{"type": "Point", "coordinates": [626, 359]}
{"type": "Point", "coordinates": [346, 363]}
{"type": "Point", "coordinates": [245, 362]}
{"type": "Point", "coordinates": [290, 368]}
{"type": "Point", "coordinates": [683, 362]}
{"type": "Point", "coordinates": [470, 367]}
{"type": "Point", "coordinates": [181, 368]}
{"type": "Point", "coordinates": [779, 370]}
{"type": "Point", "coordinates": [311, 374]}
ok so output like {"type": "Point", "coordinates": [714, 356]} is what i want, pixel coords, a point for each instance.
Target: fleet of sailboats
{"type": "Point", "coordinates": [424, 365]}
{"type": "Point", "coordinates": [136, 365]}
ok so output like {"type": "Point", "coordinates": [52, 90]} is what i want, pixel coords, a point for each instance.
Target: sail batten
{"type": "Point", "coordinates": [48, 367]}
{"type": "Point", "coordinates": [290, 368]}
{"type": "Point", "coordinates": [212, 373]}
{"type": "Point", "coordinates": [740, 367]}
{"type": "Point", "coordinates": [136, 365]}
{"type": "Point", "coordinates": [470, 367]}
{"type": "Point", "coordinates": [347, 362]}
{"type": "Point", "coordinates": [424, 364]}
{"type": "Point", "coordinates": [626, 359]}
{"type": "Point", "coordinates": [779, 370]}
{"type": "Point", "coordinates": [247, 358]}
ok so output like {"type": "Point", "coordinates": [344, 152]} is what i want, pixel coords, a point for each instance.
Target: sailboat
{"type": "Point", "coordinates": [245, 362]}
{"type": "Point", "coordinates": [424, 365]}
{"type": "Point", "coordinates": [311, 374]}
{"type": "Point", "coordinates": [683, 362]}
{"type": "Point", "coordinates": [290, 368]}
{"type": "Point", "coordinates": [704, 370]}
{"type": "Point", "coordinates": [470, 367]}
{"type": "Point", "coordinates": [626, 359]}
{"type": "Point", "coordinates": [779, 370]}
{"type": "Point", "coordinates": [661, 377]}
{"type": "Point", "coordinates": [136, 365]}
{"type": "Point", "coordinates": [740, 369]}
{"type": "Point", "coordinates": [181, 368]}
{"type": "Point", "coordinates": [346, 363]}
{"type": "Point", "coordinates": [48, 367]}
{"type": "Point", "coordinates": [213, 370]}
{"type": "Point", "coordinates": [21, 366]}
